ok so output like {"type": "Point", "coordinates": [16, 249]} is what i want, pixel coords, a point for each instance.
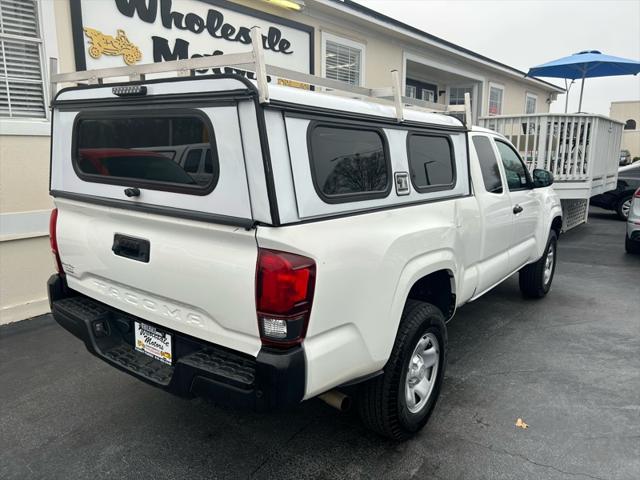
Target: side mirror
{"type": "Point", "coordinates": [542, 178]}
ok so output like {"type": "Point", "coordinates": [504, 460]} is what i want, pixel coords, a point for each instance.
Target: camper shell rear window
{"type": "Point", "coordinates": [171, 151]}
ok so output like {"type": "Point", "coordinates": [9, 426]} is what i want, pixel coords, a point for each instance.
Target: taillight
{"type": "Point", "coordinates": [284, 293]}
{"type": "Point", "coordinates": [53, 239]}
{"type": "Point", "coordinates": [637, 194]}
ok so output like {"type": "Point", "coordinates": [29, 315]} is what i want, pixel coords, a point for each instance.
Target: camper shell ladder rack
{"type": "Point", "coordinates": [254, 61]}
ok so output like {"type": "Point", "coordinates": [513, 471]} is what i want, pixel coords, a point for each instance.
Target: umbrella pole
{"type": "Point", "coordinates": [581, 90]}
{"type": "Point", "coordinates": [566, 97]}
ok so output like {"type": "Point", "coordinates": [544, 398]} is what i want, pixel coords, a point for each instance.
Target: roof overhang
{"type": "Point", "coordinates": [349, 7]}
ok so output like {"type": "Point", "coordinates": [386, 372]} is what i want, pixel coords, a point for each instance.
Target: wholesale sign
{"type": "Point", "coordinates": [113, 33]}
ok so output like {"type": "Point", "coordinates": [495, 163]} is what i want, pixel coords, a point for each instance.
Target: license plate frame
{"type": "Point", "coordinates": [153, 342]}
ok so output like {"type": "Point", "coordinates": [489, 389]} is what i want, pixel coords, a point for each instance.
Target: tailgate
{"type": "Point", "coordinates": [199, 279]}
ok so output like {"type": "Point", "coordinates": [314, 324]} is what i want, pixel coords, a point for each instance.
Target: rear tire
{"type": "Point", "coordinates": [390, 404]}
{"type": "Point", "coordinates": [631, 246]}
{"type": "Point", "coordinates": [536, 278]}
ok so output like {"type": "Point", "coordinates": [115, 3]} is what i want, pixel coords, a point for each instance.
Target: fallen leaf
{"type": "Point", "coordinates": [520, 424]}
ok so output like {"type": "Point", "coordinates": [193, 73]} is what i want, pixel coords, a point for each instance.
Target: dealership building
{"type": "Point", "coordinates": [337, 39]}
{"type": "Point", "coordinates": [628, 112]}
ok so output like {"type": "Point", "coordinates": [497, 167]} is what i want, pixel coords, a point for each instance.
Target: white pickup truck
{"type": "Point", "coordinates": [323, 250]}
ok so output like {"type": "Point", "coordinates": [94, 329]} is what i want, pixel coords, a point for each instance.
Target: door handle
{"type": "Point", "coordinates": [517, 209]}
{"type": "Point", "coordinates": [130, 247]}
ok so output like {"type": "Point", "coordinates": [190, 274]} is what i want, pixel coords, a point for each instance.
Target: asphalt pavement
{"type": "Point", "coordinates": [568, 365]}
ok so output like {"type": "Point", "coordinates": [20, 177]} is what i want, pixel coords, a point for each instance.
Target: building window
{"type": "Point", "coordinates": [496, 94]}
{"type": "Point", "coordinates": [531, 102]}
{"type": "Point", "coordinates": [630, 124]}
{"type": "Point", "coordinates": [422, 90]}
{"type": "Point", "coordinates": [456, 94]}
{"type": "Point", "coordinates": [428, 95]}
{"type": "Point", "coordinates": [410, 91]}
{"type": "Point", "coordinates": [21, 78]}
{"type": "Point", "coordinates": [343, 59]}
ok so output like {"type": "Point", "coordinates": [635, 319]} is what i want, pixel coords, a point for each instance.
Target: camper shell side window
{"type": "Point", "coordinates": [348, 163]}
{"type": "Point", "coordinates": [432, 162]}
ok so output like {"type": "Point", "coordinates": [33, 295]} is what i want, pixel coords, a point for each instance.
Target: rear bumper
{"type": "Point", "coordinates": [272, 380]}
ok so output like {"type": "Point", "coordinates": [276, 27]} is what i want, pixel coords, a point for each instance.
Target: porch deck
{"type": "Point", "coordinates": [582, 151]}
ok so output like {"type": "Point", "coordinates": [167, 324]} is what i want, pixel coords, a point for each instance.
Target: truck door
{"type": "Point", "coordinates": [497, 216]}
{"type": "Point", "coordinates": [525, 204]}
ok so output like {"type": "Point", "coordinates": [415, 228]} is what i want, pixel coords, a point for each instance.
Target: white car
{"type": "Point", "coordinates": [326, 254]}
{"type": "Point", "coordinates": [195, 159]}
{"type": "Point", "coordinates": [632, 237]}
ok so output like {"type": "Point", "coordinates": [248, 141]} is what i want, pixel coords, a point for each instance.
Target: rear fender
{"type": "Point", "coordinates": [416, 269]}
{"type": "Point", "coordinates": [551, 209]}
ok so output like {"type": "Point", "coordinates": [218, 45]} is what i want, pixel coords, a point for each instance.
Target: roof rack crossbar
{"type": "Point", "coordinates": [254, 61]}
{"type": "Point", "coordinates": [236, 60]}
{"type": "Point", "coordinates": [318, 81]}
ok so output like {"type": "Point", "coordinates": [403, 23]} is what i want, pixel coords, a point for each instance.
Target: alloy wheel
{"type": "Point", "coordinates": [422, 372]}
{"type": "Point", "coordinates": [626, 208]}
{"type": "Point", "coordinates": [549, 264]}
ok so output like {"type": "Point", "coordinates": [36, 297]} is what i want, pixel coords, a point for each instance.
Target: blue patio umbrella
{"type": "Point", "coordinates": [587, 64]}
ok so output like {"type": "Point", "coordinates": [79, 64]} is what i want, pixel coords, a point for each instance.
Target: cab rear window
{"type": "Point", "coordinates": [155, 151]}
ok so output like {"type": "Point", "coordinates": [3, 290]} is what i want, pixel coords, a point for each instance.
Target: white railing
{"type": "Point", "coordinates": [574, 147]}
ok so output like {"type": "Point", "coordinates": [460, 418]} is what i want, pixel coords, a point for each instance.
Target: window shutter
{"type": "Point", "coordinates": [343, 63]}
{"type": "Point", "coordinates": [21, 79]}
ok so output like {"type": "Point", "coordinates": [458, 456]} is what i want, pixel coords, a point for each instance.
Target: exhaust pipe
{"type": "Point", "coordinates": [337, 400]}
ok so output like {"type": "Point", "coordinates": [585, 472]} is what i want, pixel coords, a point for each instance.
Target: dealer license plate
{"type": "Point", "coordinates": [153, 342]}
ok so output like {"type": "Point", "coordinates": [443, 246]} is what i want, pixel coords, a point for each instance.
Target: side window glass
{"type": "Point", "coordinates": [430, 161]}
{"type": "Point", "coordinates": [192, 162]}
{"type": "Point", "coordinates": [488, 164]}
{"type": "Point", "coordinates": [349, 164]}
{"type": "Point", "coordinates": [208, 162]}
{"type": "Point", "coordinates": [515, 171]}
